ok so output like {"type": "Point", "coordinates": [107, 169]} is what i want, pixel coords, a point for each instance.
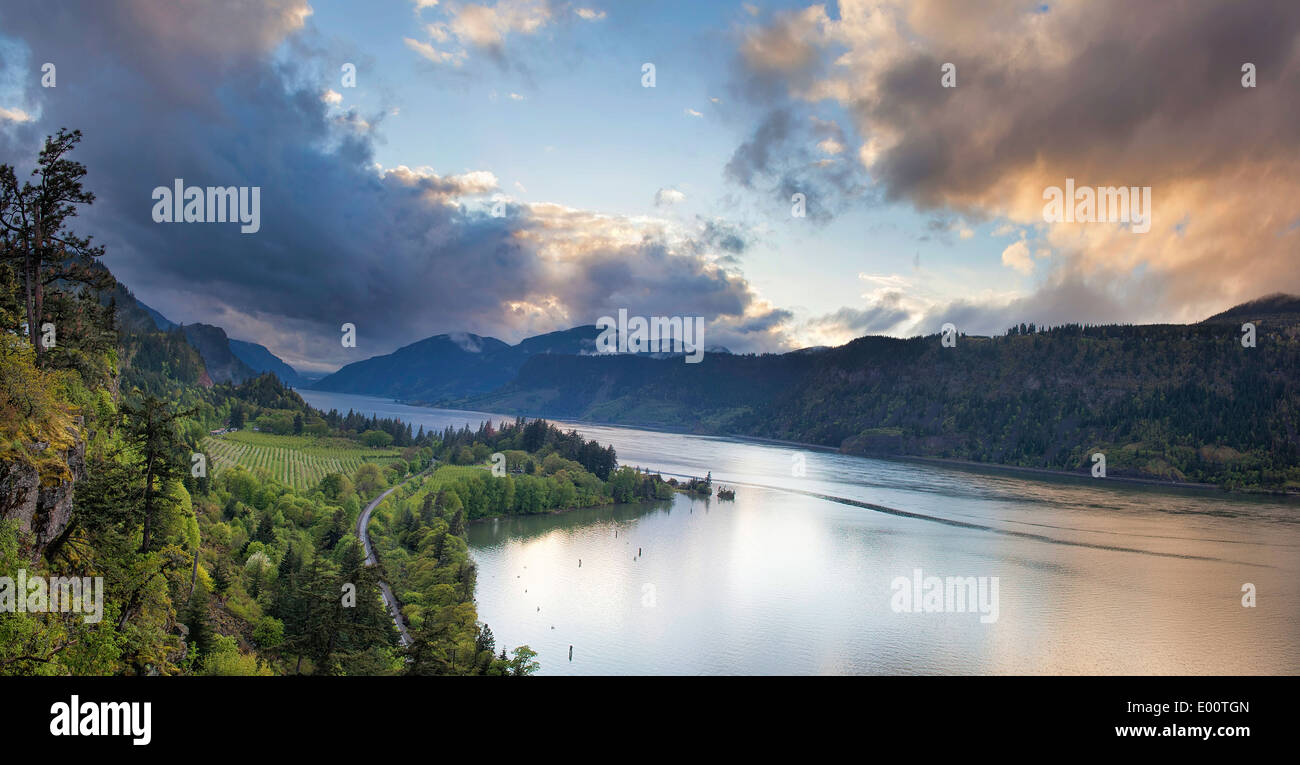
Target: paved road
{"type": "Point", "coordinates": [363, 524]}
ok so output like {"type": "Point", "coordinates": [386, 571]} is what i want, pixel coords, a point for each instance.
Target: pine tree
{"type": "Point", "coordinates": [266, 530]}
{"type": "Point", "coordinates": [365, 625]}
{"type": "Point", "coordinates": [336, 531]}
{"type": "Point", "coordinates": [151, 429]}
{"type": "Point", "coordinates": [33, 233]}
{"type": "Point", "coordinates": [486, 641]}
{"type": "Point", "coordinates": [200, 626]}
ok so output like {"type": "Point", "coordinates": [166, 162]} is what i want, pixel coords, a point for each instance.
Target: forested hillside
{"type": "Point", "coordinates": [1175, 402]}
{"type": "Point", "coordinates": [207, 567]}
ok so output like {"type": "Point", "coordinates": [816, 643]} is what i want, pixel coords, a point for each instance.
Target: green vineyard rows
{"type": "Point", "coordinates": [297, 461]}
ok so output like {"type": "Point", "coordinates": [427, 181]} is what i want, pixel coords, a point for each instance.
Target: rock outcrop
{"type": "Point", "coordinates": [43, 512]}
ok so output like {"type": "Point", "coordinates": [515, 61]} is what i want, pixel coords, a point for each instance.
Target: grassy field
{"type": "Point", "coordinates": [297, 461]}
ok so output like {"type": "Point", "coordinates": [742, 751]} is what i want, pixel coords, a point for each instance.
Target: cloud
{"type": "Point", "coordinates": [485, 27]}
{"type": "Point", "coordinates": [403, 252]}
{"type": "Point", "coordinates": [1066, 297]}
{"type": "Point", "coordinates": [668, 197]}
{"type": "Point", "coordinates": [855, 322]}
{"type": "Point", "coordinates": [894, 281]}
{"type": "Point", "coordinates": [587, 14]}
{"type": "Point", "coordinates": [720, 236]}
{"type": "Point", "coordinates": [888, 309]}
{"type": "Point", "coordinates": [332, 97]}
{"type": "Point", "coordinates": [1016, 256]}
{"type": "Point", "coordinates": [789, 44]}
{"type": "Point", "coordinates": [830, 146]}
{"type": "Point", "coordinates": [1104, 91]}
{"type": "Point", "coordinates": [466, 342]}
{"type": "Point", "coordinates": [693, 113]}
{"type": "Point", "coordinates": [431, 53]}
{"type": "Point", "coordinates": [784, 155]}
{"type": "Point", "coordinates": [448, 189]}
{"type": "Point", "coordinates": [14, 115]}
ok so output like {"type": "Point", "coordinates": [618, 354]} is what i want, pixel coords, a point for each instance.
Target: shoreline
{"type": "Point", "coordinates": [937, 461]}
{"type": "Point", "coordinates": [562, 511]}
{"type": "Point", "coordinates": [950, 461]}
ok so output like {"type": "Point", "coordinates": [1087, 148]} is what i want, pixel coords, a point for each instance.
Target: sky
{"type": "Point", "coordinates": [501, 167]}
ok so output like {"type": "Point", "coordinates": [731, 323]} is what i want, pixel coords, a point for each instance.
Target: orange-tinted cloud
{"type": "Point", "coordinates": [1107, 92]}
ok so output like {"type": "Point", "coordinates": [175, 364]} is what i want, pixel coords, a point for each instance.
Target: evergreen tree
{"type": "Point", "coordinates": [266, 529]}
{"type": "Point", "coordinates": [151, 429]}
{"type": "Point", "coordinates": [200, 626]}
{"type": "Point", "coordinates": [34, 236]}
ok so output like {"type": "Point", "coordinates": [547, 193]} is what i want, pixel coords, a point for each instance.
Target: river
{"type": "Point", "coordinates": [1091, 576]}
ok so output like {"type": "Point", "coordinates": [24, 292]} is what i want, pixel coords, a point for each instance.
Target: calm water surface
{"type": "Point", "coordinates": [791, 578]}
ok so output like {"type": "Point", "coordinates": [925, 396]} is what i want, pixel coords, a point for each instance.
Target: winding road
{"type": "Point", "coordinates": [363, 524]}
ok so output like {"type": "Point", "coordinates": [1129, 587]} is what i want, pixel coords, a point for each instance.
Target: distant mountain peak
{"type": "Point", "coordinates": [451, 364]}
{"type": "Point", "coordinates": [260, 359]}
{"type": "Point", "coordinates": [467, 342]}
{"type": "Point", "coordinates": [220, 359]}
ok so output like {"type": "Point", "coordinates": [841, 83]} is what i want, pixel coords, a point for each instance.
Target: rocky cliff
{"type": "Point", "coordinates": [43, 511]}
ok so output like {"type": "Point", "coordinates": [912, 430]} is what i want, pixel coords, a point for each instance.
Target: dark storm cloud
{"type": "Point", "coordinates": [192, 90]}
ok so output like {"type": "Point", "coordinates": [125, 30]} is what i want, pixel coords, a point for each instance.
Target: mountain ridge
{"type": "Point", "coordinates": [260, 359]}
{"type": "Point", "coordinates": [225, 359]}
{"type": "Point", "coordinates": [1175, 402]}
{"type": "Point", "coordinates": [451, 365]}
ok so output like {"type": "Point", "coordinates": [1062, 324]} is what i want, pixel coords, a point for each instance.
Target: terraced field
{"type": "Point", "coordinates": [297, 461]}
